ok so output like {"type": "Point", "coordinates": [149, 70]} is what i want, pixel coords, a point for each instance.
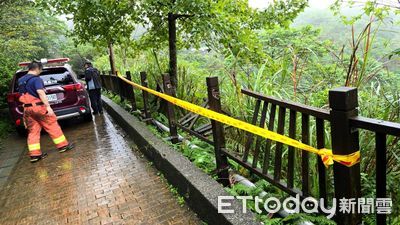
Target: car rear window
{"type": "Point", "coordinates": [51, 77]}
{"type": "Point", "coordinates": [57, 79]}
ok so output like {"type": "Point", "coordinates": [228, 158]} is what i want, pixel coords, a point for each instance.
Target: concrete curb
{"type": "Point", "coordinates": [199, 190]}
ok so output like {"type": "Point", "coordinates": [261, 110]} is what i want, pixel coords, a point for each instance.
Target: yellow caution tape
{"type": "Point", "coordinates": [326, 154]}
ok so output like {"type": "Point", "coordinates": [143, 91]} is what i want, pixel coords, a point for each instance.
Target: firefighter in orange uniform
{"type": "Point", "coordinates": [38, 114]}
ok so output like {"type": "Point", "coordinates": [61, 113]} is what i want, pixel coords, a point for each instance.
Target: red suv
{"type": "Point", "coordinates": [66, 95]}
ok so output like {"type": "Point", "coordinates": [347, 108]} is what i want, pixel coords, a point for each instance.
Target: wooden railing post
{"type": "Point", "coordinates": [218, 131]}
{"type": "Point", "coordinates": [112, 85]}
{"type": "Point", "coordinates": [345, 140]}
{"type": "Point", "coordinates": [101, 79]}
{"type": "Point", "coordinates": [121, 88]}
{"type": "Point", "coordinates": [130, 94]}
{"type": "Point", "coordinates": [170, 110]}
{"type": "Point", "coordinates": [380, 179]}
{"type": "Point", "coordinates": [104, 80]}
{"type": "Point", "coordinates": [144, 82]}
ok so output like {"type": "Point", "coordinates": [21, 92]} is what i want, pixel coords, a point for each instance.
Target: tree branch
{"type": "Point", "coordinates": [178, 16]}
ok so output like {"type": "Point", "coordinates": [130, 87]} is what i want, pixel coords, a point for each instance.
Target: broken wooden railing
{"type": "Point", "coordinates": [260, 157]}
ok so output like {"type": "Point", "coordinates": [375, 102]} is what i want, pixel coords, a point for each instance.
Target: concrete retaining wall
{"type": "Point", "coordinates": [199, 189]}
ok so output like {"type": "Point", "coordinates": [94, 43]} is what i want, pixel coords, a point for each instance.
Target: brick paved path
{"type": "Point", "coordinates": [102, 181]}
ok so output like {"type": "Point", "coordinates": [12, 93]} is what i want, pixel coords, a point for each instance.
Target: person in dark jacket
{"type": "Point", "coordinates": [92, 78]}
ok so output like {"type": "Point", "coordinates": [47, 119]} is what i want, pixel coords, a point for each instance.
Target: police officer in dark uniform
{"type": "Point", "coordinates": [92, 78]}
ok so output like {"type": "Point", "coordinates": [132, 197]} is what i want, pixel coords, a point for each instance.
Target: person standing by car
{"type": "Point", "coordinates": [38, 114]}
{"type": "Point", "coordinates": [92, 79]}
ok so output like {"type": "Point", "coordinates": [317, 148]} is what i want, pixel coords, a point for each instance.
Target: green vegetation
{"type": "Point", "coordinates": [204, 158]}
{"type": "Point", "coordinates": [25, 33]}
{"type": "Point", "coordinates": [185, 23]}
{"type": "Point", "coordinates": [5, 126]}
{"type": "Point", "coordinates": [180, 199]}
{"type": "Point", "coordinates": [246, 48]}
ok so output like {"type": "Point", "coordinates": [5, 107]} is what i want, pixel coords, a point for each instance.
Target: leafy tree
{"type": "Point", "coordinates": [26, 33]}
{"type": "Point", "coordinates": [297, 54]}
{"type": "Point", "coordinates": [377, 8]}
{"type": "Point", "coordinates": [360, 66]}
{"type": "Point", "coordinates": [79, 54]}
{"type": "Point", "coordinates": [228, 24]}
{"type": "Point", "coordinates": [220, 25]}
{"type": "Point", "coordinates": [102, 23]}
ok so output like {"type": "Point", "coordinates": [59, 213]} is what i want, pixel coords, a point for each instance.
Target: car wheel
{"type": "Point", "coordinates": [87, 117]}
{"type": "Point", "coordinates": [22, 131]}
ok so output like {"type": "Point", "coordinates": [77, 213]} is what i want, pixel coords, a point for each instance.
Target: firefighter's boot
{"type": "Point", "coordinates": [66, 148]}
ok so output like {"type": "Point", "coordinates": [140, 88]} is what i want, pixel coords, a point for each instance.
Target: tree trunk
{"type": "Point", "coordinates": [172, 50]}
{"type": "Point", "coordinates": [112, 60]}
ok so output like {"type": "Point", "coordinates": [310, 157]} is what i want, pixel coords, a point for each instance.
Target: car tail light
{"type": "Point", "coordinates": [18, 122]}
{"type": "Point", "coordinates": [13, 97]}
{"type": "Point", "coordinates": [73, 87]}
{"type": "Point", "coordinates": [79, 87]}
{"type": "Point", "coordinates": [83, 110]}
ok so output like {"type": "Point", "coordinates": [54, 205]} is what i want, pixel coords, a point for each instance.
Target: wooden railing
{"type": "Point", "coordinates": [264, 160]}
{"type": "Point", "coordinates": [279, 109]}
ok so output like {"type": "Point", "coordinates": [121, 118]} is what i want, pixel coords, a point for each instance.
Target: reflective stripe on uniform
{"type": "Point", "coordinates": [59, 140]}
{"type": "Point", "coordinates": [34, 147]}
